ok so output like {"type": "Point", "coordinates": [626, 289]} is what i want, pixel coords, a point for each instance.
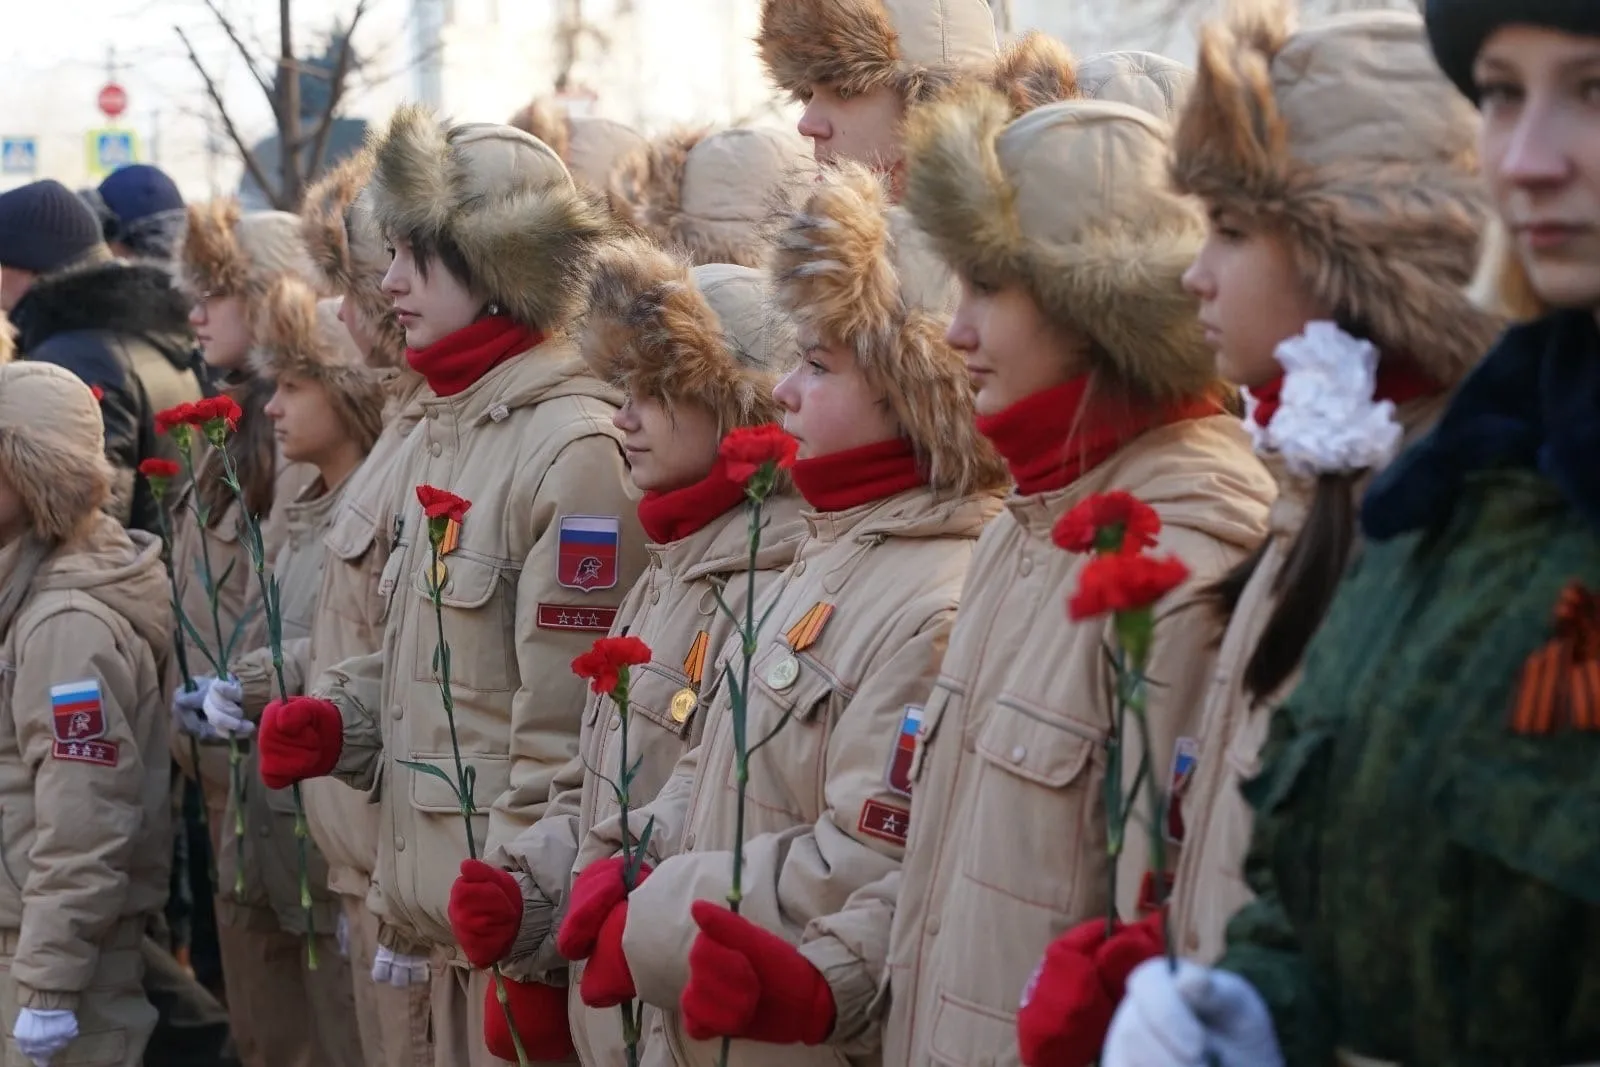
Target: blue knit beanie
{"type": "Point", "coordinates": [139, 191]}
{"type": "Point", "coordinates": [45, 227]}
{"type": "Point", "coordinates": [1458, 28]}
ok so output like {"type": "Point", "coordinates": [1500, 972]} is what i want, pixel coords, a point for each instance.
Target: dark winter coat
{"type": "Point", "coordinates": [122, 328]}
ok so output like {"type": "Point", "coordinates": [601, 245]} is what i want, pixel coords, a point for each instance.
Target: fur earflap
{"type": "Point", "coordinates": [1034, 71]}
{"type": "Point", "coordinates": [348, 252]}
{"type": "Point", "coordinates": [1108, 267]}
{"type": "Point", "coordinates": [547, 120]}
{"type": "Point", "coordinates": [52, 448]}
{"type": "Point", "coordinates": [851, 45]}
{"type": "Point", "coordinates": [228, 251]}
{"type": "Point", "coordinates": [646, 187]}
{"type": "Point", "coordinates": [836, 273]}
{"type": "Point", "coordinates": [298, 334]}
{"type": "Point", "coordinates": [650, 330]}
{"type": "Point", "coordinates": [1383, 226]}
{"type": "Point", "coordinates": [502, 199]}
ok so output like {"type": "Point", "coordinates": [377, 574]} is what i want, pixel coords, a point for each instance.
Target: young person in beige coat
{"type": "Point", "coordinates": [697, 352]}
{"type": "Point", "coordinates": [391, 1002]}
{"type": "Point", "coordinates": [708, 195]}
{"type": "Point", "coordinates": [493, 245]}
{"type": "Point", "coordinates": [898, 486]}
{"type": "Point", "coordinates": [86, 636]}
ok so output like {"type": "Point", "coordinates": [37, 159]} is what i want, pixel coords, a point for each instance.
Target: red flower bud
{"type": "Point", "coordinates": [442, 504]}
{"type": "Point", "coordinates": [1108, 522]}
{"type": "Point", "coordinates": [749, 448]}
{"type": "Point", "coordinates": [156, 467]}
{"type": "Point", "coordinates": [1124, 581]}
{"type": "Point", "coordinates": [604, 663]}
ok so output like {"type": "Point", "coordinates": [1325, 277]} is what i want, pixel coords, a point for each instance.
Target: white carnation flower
{"type": "Point", "coordinates": [1327, 421]}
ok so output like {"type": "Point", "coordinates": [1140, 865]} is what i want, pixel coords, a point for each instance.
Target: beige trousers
{"type": "Point", "coordinates": [115, 1020]}
{"type": "Point", "coordinates": [283, 1013]}
{"type": "Point", "coordinates": [394, 1022]}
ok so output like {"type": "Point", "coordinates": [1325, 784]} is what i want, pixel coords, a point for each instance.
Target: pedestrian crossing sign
{"type": "Point", "coordinates": [19, 155]}
{"type": "Point", "coordinates": [111, 148]}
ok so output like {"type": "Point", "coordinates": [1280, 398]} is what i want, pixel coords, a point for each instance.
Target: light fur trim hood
{"type": "Point", "coordinates": [919, 48]}
{"type": "Point", "coordinates": [228, 251]}
{"type": "Point", "coordinates": [710, 195]}
{"type": "Point", "coordinates": [843, 270]}
{"type": "Point", "coordinates": [706, 335]}
{"type": "Point", "coordinates": [503, 199]}
{"type": "Point", "coordinates": [1347, 138]}
{"type": "Point", "coordinates": [298, 334]}
{"type": "Point", "coordinates": [348, 252]}
{"type": "Point", "coordinates": [1036, 202]}
{"type": "Point", "coordinates": [52, 447]}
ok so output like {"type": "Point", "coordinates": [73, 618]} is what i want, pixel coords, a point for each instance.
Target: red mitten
{"type": "Point", "coordinates": [299, 738]}
{"type": "Point", "coordinates": [746, 982]}
{"type": "Point", "coordinates": [607, 981]}
{"type": "Point", "coordinates": [1067, 1007]}
{"type": "Point", "coordinates": [539, 1013]}
{"type": "Point", "coordinates": [485, 912]}
{"type": "Point", "coordinates": [595, 892]}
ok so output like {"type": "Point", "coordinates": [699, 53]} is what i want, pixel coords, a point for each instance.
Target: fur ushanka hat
{"type": "Point", "coordinates": [1072, 202]}
{"type": "Point", "coordinates": [710, 194]}
{"type": "Point", "coordinates": [916, 47]}
{"type": "Point", "coordinates": [229, 252]}
{"type": "Point", "coordinates": [704, 335]}
{"type": "Point", "coordinates": [503, 199]}
{"type": "Point", "coordinates": [590, 146]}
{"type": "Point", "coordinates": [1037, 70]}
{"type": "Point", "coordinates": [1346, 137]}
{"type": "Point", "coordinates": [296, 333]}
{"type": "Point", "coordinates": [348, 252]}
{"type": "Point", "coordinates": [52, 447]}
{"type": "Point", "coordinates": [849, 268]}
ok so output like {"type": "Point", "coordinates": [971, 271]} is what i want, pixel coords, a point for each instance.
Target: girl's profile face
{"type": "Point", "coordinates": [430, 303]}
{"type": "Point", "coordinates": [667, 449]}
{"type": "Point", "coordinates": [828, 405]}
{"type": "Point", "coordinates": [1011, 349]}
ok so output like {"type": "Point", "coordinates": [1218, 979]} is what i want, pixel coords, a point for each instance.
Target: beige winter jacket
{"type": "Point", "coordinates": [85, 830]}
{"type": "Point", "coordinates": [1210, 886]}
{"type": "Point", "coordinates": [531, 445]}
{"type": "Point", "coordinates": [823, 820]}
{"type": "Point", "coordinates": [1008, 844]}
{"type": "Point", "coordinates": [673, 609]}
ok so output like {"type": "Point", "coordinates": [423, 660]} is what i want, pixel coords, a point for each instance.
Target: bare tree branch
{"type": "Point", "coordinates": [251, 164]}
{"type": "Point", "coordinates": [341, 72]}
{"type": "Point", "coordinates": [238, 42]}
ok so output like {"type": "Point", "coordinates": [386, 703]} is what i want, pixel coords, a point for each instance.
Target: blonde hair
{"type": "Point", "coordinates": [1501, 285]}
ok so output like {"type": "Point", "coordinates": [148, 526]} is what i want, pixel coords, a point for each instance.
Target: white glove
{"type": "Point", "coordinates": [223, 710]}
{"type": "Point", "coordinates": [341, 933]}
{"type": "Point", "coordinates": [188, 708]}
{"type": "Point", "coordinates": [1190, 1018]}
{"type": "Point", "coordinates": [391, 968]}
{"type": "Point", "coordinates": [42, 1034]}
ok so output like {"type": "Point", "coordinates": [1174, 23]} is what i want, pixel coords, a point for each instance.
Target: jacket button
{"type": "Point", "coordinates": [655, 596]}
{"type": "Point", "coordinates": [688, 841]}
{"type": "Point", "coordinates": [396, 712]}
{"type": "Point", "coordinates": [616, 721]}
{"type": "Point", "coordinates": [1018, 754]}
{"type": "Point", "coordinates": [264, 831]}
{"type": "Point", "coordinates": [798, 569]}
{"type": "Point", "coordinates": [399, 843]}
{"type": "Point", "coordinates": [933, 926]}
{"type": "Point", "coordinates": [1026, 566]}
{"type": "Point", "coordinates": [436, 450]}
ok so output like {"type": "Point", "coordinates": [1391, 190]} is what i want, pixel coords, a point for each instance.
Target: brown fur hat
{"type": "Point", "coordinates": [839, 274]}
{"type": "Point", "coordinates": [52, 447]}
{"type": "Point", "coordinates": [590, 146]}
{"type": "Point", "coordinates": [1102, 248]}
{"type": "Point", "coordinates": [917, 47]}
{"type": "Point", "coordinates": [296, 333]}
{"type": "Point", "coordinates": [1347, 138]}
{"type": "Point", "coordinates": [710, 194]}
{"type": "Point", "coordinates": [227, 251]}
{"type": "Point", "coordinates": [1038, 70]}
{"type": "Point", "coordinates": [348, 252]}
{"type": "Point", "coordinates": [1035, 70]}
{"type": "Point", "coordinates": [704, 335]}
{"type": "Point", "coordinates": [502, 198]}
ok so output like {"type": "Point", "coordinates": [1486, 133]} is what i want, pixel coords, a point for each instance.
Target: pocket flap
{"type": "Point", "coordinates": [431, 793]}
{"type": "Point", "coordinates": [1023, 742]}
{"type": "Point", "coordinates": [469, 583]}
{"type": "Point", "coordinates": [793, 682]}
{"type": "Point", "coordinates": [352, 535]}
{"type": "Point", "coordinates": [653, 692]}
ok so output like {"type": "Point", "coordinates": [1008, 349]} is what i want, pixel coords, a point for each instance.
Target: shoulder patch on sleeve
{"type": "Point", "coordinates": [884, 821]}
{"type": "Point", "coordinates": [102, 753]}
{"type": "Point", "coordinates": [76, 711]}
{"type": "Point", "coordinates": [586, 552]}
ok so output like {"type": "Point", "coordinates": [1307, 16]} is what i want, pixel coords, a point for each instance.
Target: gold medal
{"type": "Point", "coordinates": [784, 673]}
{"type": "Point", "coordinates": [438, 574]}
{"type": "Point", "coordinates": [683, 702]}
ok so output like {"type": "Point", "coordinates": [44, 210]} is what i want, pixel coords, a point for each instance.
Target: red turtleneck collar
{"type": "Point", "coordinates": [1400, 381]}
{"type": "Point", "coordinates": [1049, 444]}
{"type": "Point", "coordinates": [672, 516]}
{"type": "Point", "coordinates": [843, 480]}
{"type": "Point", "coordinates": [454, 362]}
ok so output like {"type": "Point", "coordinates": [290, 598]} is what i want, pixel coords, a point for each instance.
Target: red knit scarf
{"type": "Point", "coordinates": [1049, 445]}
{"type": "Point", "coordinates": [856, 476]}
{"type": "Point", "coordinates": [674, 515]}
{"type": "Point", "coordinates": [1400, 381]}
{"type": "Point", "coordinates": [454, 362]}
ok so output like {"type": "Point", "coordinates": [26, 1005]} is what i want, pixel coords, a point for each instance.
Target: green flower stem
{"type": "Point", "coordinates": [268, 588]}
{"type": "Point", "coordinates": [630, 862]}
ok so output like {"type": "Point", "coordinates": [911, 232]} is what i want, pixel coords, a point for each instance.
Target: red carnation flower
{"type": "Point", "coordinates": [604, 663]}
{"type": "Point", "coordinates": [178, 415]}
{"type": "Point", "coordinates": [748, 449]}
{"type": "Point", "coordinates": [1108, 522]}
{"type": "Point", "coordinates": [442, 504]}
{"type": "Point", "coordinates": [1124, 581]}
{"type": "Point", "coordinates": [213, 409]}
{"type": "Point", "coordinates": [156, 467]}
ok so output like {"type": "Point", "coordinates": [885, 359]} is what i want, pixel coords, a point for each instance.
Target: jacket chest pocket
{"type": "Point", "coordinates": [1037, 830]}
{"type": "Point", "coordinates": [793, 702]}
{"type": "Point", "coordinates": [353, 544]}
{"type": "Point", "coordinates": [655, 736]}
{"type": "Point", "coordinates": [476, 604]}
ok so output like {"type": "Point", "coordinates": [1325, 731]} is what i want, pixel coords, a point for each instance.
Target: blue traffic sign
{"type": "Point", "coordinates": [19, 155]}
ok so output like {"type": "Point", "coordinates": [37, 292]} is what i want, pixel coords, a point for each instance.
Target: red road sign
{"type": "Point", "coordinates": [113, 100]}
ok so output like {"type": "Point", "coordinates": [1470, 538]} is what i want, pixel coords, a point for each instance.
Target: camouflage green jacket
{"type": "Point", "coordinates": [1429, 879]}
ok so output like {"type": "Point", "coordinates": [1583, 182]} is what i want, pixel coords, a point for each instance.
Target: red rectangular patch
{"type": "Point", "coordinates": [884, 821]}
{"type": "Point", "coordinates": [102, 753]}
{"type": "Point", "coordinates": [568, 617]}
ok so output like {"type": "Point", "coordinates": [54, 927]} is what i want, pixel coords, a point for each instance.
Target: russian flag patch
{"type": "Point", "coordinates": [586, 553]}
{"type": "Point", "coordinates": [898, 778]}
{"type": "Point", "coordinates": [77, 712]}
